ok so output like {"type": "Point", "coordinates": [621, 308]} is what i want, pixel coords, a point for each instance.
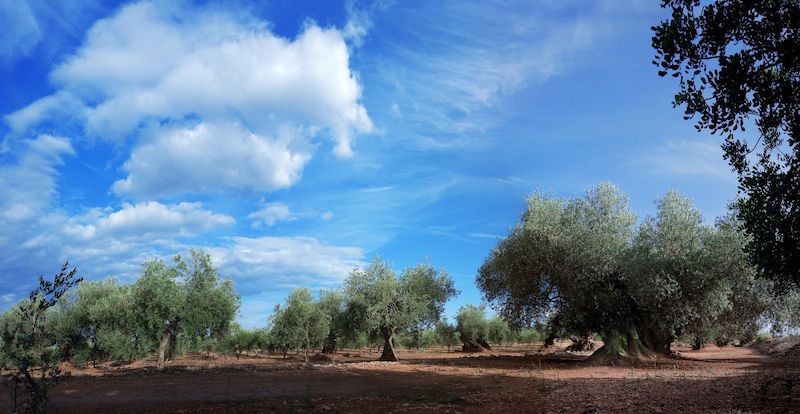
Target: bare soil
{"type": "Point", "coordinates": [517, 379]}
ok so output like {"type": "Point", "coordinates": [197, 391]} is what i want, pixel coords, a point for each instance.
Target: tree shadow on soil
{"type": "Point", "coordinates": [484, 384]}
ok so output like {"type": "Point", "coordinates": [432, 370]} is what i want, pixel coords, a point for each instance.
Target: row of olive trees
{"type": "Point", "coordinates": [376, 308]}
{"type": "Point", "coordinates": [475, 328]}
{"type": "Point", "coordinates": [376, 303]}
{"type": "Point", "coordinates": [167, 309]}
{"type": "Point", "coordinates": [186, 305]}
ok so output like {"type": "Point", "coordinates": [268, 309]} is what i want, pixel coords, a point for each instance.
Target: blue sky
{"type": "Point", "coordinates": [297, 140]}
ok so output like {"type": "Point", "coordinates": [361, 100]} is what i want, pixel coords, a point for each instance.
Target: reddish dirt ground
{"type": "Point", "coordinates": [724, 380]}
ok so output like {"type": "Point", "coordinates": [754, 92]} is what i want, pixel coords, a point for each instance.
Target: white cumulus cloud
{"type": "Point", "coordinates": [270, 214]}
{"type": "Point", "coordinates": [148, 219]}
{"type": "Point", "coordinates": [209, 157]}
{"type": "Point", "coordinates": [214, 82]}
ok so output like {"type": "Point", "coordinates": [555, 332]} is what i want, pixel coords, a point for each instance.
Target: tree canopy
{"type": "Point", "coordinates": [738, 66]}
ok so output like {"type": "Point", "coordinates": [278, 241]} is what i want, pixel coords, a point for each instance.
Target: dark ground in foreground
{"type": "Point", "coordinates": [726, 380]}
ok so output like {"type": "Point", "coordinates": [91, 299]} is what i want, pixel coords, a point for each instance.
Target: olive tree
{"type": "Point", "coordinates": [390, 304]}
{"type": "Point", "coordinates": [184, 299]}
{"type": "Point", "coordinates": [783, 313]}
{"type": "Point", "coordinates": [280, 334]}
{"type": "Point", "coordinates": [334, 307]}
{"type": "Point", "coordinates": [305, 322]}
{"type": "Point", "coordinates": [94, 323]}
{"type": "Point", "coordinates": [446, 333]}
{"type": "Point", "coordinates": [473, 328]}
{"type": "Point", "coordinates": [528, 336]}
{"type": "Point", "coordinates": [750, 301]}
{"type": "Point", "coordinates": [158, 300]}
{"type": "Point", "coordinates": [211, 301]}
{"type": "Point", "coordinates": [28, 347]}
{"type": "Point", "coordinates": [498, 331]}
{"type": "Point", "coordinates": [690, 278]}
{"type": "Point", "coordinates": [415, 339]}
{"type": "Point", "coordinates": [564, 261]}
{"type": "Point", "coordinates": [585, 265]}
{"type": "Point", "coordinates": [240, 340]}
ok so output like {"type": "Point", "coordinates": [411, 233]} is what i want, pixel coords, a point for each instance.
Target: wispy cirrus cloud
{"type": "Point", "coordinates": [285, 262]}
{"type": "Point", "coordinates": [21, 32]}
{"type": "Point", "coordinates": [450, 73]}
{"type": "Point", "coordinates": [688, 158]}
{"type": "Point", "coordinates": [28, 178]}
{"type": "Point", "coordinates": [30, 25]}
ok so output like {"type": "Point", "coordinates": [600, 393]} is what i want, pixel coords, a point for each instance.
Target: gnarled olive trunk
{"type": "Point", "coordinates": [621, 347]}
{"type": "Point", "coordinates": [475, 346]}
{"type": "Point", "coordinates": [388, 347]}
{"type": "Point", "coordinates": [581, 344]}
{"type": "Point", "coordinates": [162, 349]}
{"type": "Point", "coordinates": [330, 344]}
{"type": "Point", "coordinates": [550, 340]}
{"type": "Point", "coordinates": [657, 342]}
{"type": "Point", "coordinates": [632, 345]}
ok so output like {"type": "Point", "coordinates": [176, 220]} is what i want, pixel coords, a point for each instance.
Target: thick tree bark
{"type": "Point", "coordinates": [581, 344]}
{"type": "Point", "coordinates": [330, 344]}
{"type": "Point", "coordinates": [658, 343]}
{"type": "Point", "coordinates": [388, 347]}
{"type": "Point", "coordinates": [162, 349]}
{"type": "Point", "coordinates": [632, 345]}
{"type": "Point", "coordinates": [550, 340]}
{"type": "Point", "coordinates": [478, 346]}
{"type": "Point", "coordinates": [620, 347]}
